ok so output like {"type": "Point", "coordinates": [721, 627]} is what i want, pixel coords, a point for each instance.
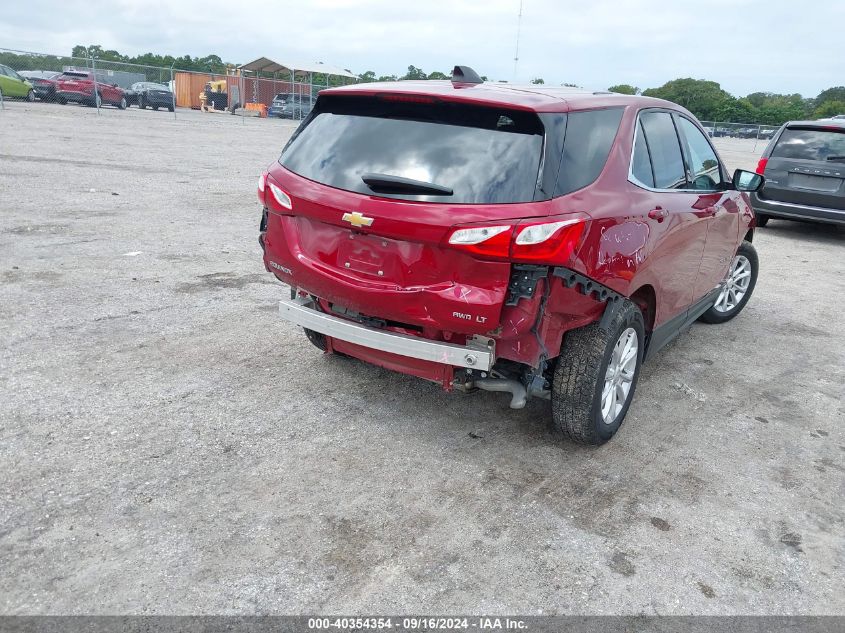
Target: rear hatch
{"type": "Point", "coordinates": [807, 166]}
{"type": "Point", "coordinates": [75, 82]}
{"type": "Point", "coordinates": [375, 187]}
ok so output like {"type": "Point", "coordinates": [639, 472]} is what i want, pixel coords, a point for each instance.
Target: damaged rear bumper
{"type": "Point", "coordinates": [475, 355]}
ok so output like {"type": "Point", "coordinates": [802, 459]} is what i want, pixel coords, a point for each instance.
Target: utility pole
{"type": "Point", "coordinates": [518, 27]}
{"type": "Point", "coordinates": [96, 84]}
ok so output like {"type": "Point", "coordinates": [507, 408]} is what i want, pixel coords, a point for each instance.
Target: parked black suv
{"type": "Point", "coordinates": [804, 166]}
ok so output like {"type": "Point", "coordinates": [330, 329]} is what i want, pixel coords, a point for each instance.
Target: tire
{"type": "Point", "coordinates": [583, 372]}
{"type": "Point", "coordinates": [61, 100]}
{"type": "Point", "coordinates": [30, 96]}
{"type": "Point", "coordinates": [762, 220]}
{"type": "Point", "coordinates": [739, 271]}
{"type": "Point", "coordinates": [317, 340]}
{"type": "Point", "coordinates": [141, 103]}
{"type": "Point", "coordinates": [170, 108]}
{"type": "Point", "coordinates": [155, 107]}
{"type": "Point", "coordinates": [122, 103]}
{"type": "Point", "coordinates": [98, 101]}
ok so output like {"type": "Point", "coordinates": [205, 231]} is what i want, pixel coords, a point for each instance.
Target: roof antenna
{"type": "Point", "coordinates": [518, 27]}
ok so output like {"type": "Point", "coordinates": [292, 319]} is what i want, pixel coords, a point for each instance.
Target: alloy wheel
{"type": "Point", "coordinates": [619, 376]}
{"type": "Point", "coordinates": [736, 284]}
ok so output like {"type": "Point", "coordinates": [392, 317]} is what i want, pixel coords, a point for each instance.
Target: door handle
{"type": "Point", "coordinates": [658, 214]}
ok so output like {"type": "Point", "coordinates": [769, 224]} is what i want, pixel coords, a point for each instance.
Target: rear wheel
{"type": "Point", "coordinates": [122, 103]}
{"type": "Point", "coordinates": [141, 103]}
{"type": "Point", "coordinates": [596, 375]}
{"type": "Point", "coordinates": [30, 96]}
{"type": "Point", "coordinates": [170, 108]}
{"type": "Point", "coordinates": [762, 220]}
{"type": "Point", "coordinates": [739, 284]}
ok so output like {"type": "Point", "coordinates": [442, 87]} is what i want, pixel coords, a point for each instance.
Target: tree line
{"type": "Point", "coordinates": [705, 99]}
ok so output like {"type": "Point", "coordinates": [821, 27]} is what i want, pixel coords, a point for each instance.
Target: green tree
{"type": "Point", "coordinates": [537, 80]}
{"type": "Point", "coordinates": [367, 77]}
{"type": "Point", "coordinates": [702, 98]}
{"type": "Point", "coordinates": [734, 110]}
{"type": "Point", "coordinates": [625, 89]}
{"type": "Point", "coordinates": [438, 75]}
{"type": "Point", "coordinates": [829, 109]}
{"type": "Point", "coordinates": [831, 94]}
{"type": "Point", "coordinates": [387, 78]}
{"type": "Point", "coordinates": [415, 73]}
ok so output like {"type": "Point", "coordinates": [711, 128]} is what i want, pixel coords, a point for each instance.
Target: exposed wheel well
{"type": "Point", "coordinates": [749, 236]}
{"type": "Point", "coordinates": [646, 300]}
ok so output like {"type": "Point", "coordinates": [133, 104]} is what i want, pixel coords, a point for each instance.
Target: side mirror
{"type": "Point", "coordinates": [747, 180]}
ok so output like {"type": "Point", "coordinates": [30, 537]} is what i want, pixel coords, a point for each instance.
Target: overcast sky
{"type": "Point", "coordinates": [745, 45]}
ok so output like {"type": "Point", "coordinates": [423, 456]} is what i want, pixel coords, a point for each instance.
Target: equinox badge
{"type": "Point", "coordinates": [357, 219]}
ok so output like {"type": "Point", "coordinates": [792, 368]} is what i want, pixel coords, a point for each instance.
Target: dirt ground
{"type": "Point", "coordinates": [169, 445]}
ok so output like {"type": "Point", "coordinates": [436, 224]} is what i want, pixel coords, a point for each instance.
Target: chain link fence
{"type": "Point", "coordinates": [221, 90]}
{"type": "Point", "coordinates": [100, 83]}
{"type": "Point", "coordinates": [761, 134]}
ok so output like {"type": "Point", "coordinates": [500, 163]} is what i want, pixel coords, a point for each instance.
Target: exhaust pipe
{"type": "Point", "coordinates": [513, 387]}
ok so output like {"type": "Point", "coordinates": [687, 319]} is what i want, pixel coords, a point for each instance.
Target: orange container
{"type": "Point", "coordinates": [260, 107]}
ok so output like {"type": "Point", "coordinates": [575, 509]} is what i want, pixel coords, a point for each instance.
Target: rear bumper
{"type": "Point", "coordinates": [162, 102]}
{"type": "Point", "coordinates": [793, 211]}
{"type": "Point", "coordinates": [477, 356]}
{"type": "Point", "coordinates": [75, 96]}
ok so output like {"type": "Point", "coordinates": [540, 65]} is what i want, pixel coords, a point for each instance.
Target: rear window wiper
{"type": "Point", "coordinates": [835, 158]}
{"type": "Point", "coordinates": [385, 183]}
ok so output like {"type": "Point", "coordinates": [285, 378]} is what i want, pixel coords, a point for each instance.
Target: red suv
{"type": "Point", "coordinates": [78, 86]}
{"type": "Point", "coordinates": [536, 241]}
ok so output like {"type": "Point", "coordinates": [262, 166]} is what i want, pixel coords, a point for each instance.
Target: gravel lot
{"type": "Point", "coordinates": [168, 445]}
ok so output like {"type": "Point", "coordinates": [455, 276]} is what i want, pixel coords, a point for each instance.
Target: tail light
{"type": "Point", "coordinates": [552, 242]}
{"type": "Point", "coordinates": [493, 241]}
{"type": "Point", "coordinates": [761, 166]}
{"type": "Point", "coordinates": [262, 185]}
{"type": "Point", "coordinates": [280, 196]}
{"type": "Point", "coordinates": [527, 241]}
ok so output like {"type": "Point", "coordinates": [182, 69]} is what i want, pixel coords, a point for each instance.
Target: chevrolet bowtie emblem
{"type": "Point", "coordinates": [357, 219]}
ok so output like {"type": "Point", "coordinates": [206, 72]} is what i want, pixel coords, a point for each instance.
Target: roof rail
{"type": "Point", "coordinates": [465, 75]}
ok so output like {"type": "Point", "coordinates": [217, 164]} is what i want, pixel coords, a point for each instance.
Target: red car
{"type": "Point", "coordinates": [530, 240]}
{"type": "Point", "coordinates": [78, 86]}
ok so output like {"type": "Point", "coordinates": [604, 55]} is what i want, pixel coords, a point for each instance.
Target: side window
{"type": "Point", "coordinates": [641, 161]}
{"type": "Point", "coordinates": [589, 136]}
{"type": "Point", "coordinates": [666, 159]}
{"type": "Point", "coordinates": [704, 165]}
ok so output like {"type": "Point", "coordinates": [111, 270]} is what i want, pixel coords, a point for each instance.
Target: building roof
{"type": "Point", "coordinates": [265, 65]}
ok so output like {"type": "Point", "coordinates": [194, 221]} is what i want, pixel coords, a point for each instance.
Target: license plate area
{"type": "Point", "coordinates": [810, 182]}
{"type": "Point", "coordinates": [369, 255]}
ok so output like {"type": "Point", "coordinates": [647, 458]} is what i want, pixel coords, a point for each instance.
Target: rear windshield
{"type": "Point", "coordinates": [810, 144]}
{"type": "Point", "coordinates": [75, 76]}
{"type": "Point", "coordinates": [483, 155]}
